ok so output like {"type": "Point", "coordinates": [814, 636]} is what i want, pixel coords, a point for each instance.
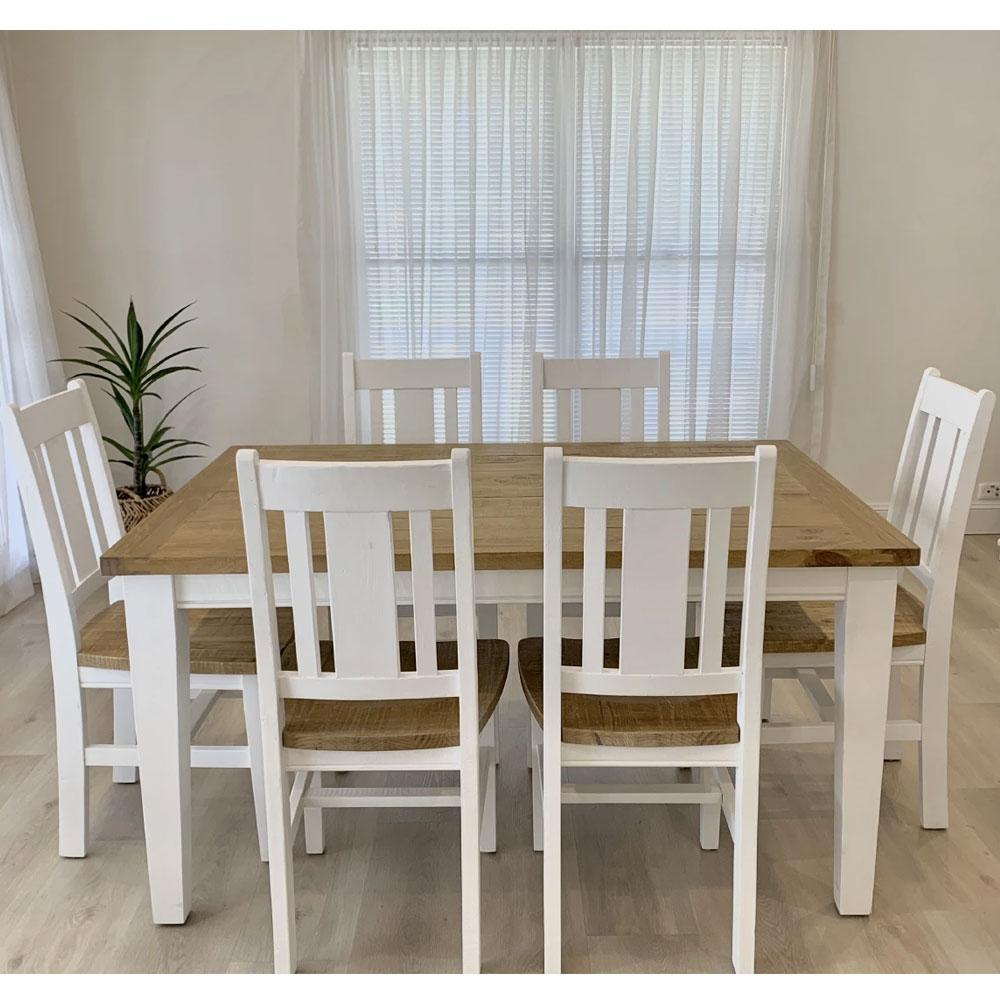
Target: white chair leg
{"type": "Point", "coordinates": [534, 739]}
{"type": "Point", "coordinates": [710, 819]}
{"type": "Point", "coordinates": [281, 876]}
{"type": "Point", "coordinates": [894, 750]}
{"type": "Point", "coordinates": [486, 618]}
{"type": "Point", "coordinates": [488, 813]}
{"type": "Point", "coordinates": [745, 868]}
{"type": "Point", "coordinates": [512, 628]}
{"type": "Point", "coordinates": [537, 838]}
{"type": "Point", "coordinates": [124, 733]}
{"type": "Point", "coordinates": [765, 698]}
{"type": "Point", "coordinates": [74, 785]}
{"type": "Point", "coordinates": [490, 754]}
{"type": "Point", "coordinates": [552, 859]}
{"type": "Point", "coordinates": [312, 819]}
{"type": "Point", "coordinates": [933, 766]}
{"type": "Point", "coordinates": [470, 836]}
{"type": "Point", "coordinates": [251, 719]}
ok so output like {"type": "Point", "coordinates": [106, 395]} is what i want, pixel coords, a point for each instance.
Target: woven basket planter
{"type": "Point", "coordinates": [134, 507]}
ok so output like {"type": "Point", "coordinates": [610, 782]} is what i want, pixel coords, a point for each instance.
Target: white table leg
{"type": "Point", "coordinates": [512, 627]}
{"type": "Point", "coordinates": [862, 665]}
{"type": "Point", "coordinates": [161, 687]}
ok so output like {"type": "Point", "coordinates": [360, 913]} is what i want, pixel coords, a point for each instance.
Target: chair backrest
{"type": "Point", "coordinates": [601, 386]}
{"type": "Point", "coordinates": [413, 382]}
{"type": "Point", "coordinates": [657, 498]}
{"type": "Point", "coordinates": [68, 495]}
{"type": "Point", "coordinates": [936, 478]}
{"type": "Point", "coordinates": [352, 506]}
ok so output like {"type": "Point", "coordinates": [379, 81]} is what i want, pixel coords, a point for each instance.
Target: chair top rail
{"type": "Point", "coordinates": [659, 483]}
{"type": "Point", "coordinates": [46, 419]}
{"type": "Point", "coordinates": [414, 373]}
{"type": "Point", "coordinates": [600, 373]}
{"type": "Point", "coordinates": [346, 487]}
{"type": "Point", "coordinates": [954, 403]}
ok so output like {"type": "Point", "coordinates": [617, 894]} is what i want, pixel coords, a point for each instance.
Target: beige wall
{"type": "Point", "coordinates": [163, 166]}
{"type": "Point", "coordinates": [916, 239]}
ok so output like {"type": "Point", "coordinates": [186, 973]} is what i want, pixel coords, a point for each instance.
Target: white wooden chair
{"type": "Point", "coordinates": [367, 702]}
{"type": "Point", "coordinates": [73, 516]}
{"type": "Point", "coordinates": [654, 697]}
{"type": "Point", "coordinates": [930, 502]}
{"type": "Point", "coordinates": [413, 382]}
{"type": "Point", "coordinates": [601, 386]}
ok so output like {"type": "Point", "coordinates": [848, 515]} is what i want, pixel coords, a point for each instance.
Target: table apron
{"type": "Point", "coordinates": [818, 583]}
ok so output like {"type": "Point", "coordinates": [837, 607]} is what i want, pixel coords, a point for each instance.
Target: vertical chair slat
{"type": "Point", "coordinates": [422, 576]}
{"type": "Point", "coordinates": [916, 497]}
{"type": "Point", "coordinates": [637, 414]}
{"type": "Point", "coordinates": [69, 503]}
{"type": "Point", "coordinates": [595, 535]}
{"type": "Point", "coordinates": [713, 591]}
{"type": "Point", "coordinates": [375, 410]}
{"type": "Point", "coordinates": [85, 486]}
{"type": "Point", "coordinates": [414, 410]}
{"type": "Point", "coordinates": [928, 515]}
{"type": "Point", "coordinates": [655, 551]}
{"type": "Point", "coordinates": [450, 415]}
{"type": "Point", "coordinates": [600, 415]}
{"type": "Point", "coordinates": [564, 415]}
{"type": "Point", "coordinates": [298, 539]}
{"type": "Point", "coordinates": [361, 571]}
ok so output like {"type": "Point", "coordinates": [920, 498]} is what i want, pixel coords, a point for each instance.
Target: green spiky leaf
{"type": "Point", "coordinates": [127, 452]}
{"type": "Point", "coordinates": [176, 354]}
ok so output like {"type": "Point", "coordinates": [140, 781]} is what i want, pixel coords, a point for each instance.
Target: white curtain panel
{"type": "Point", "coordinates": [584, 195]}
{"type": "Point", "coordinates": [27, 342]}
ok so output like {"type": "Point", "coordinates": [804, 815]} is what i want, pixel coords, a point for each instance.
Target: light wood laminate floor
{"type": "Point", "coordinates": [639, 894]}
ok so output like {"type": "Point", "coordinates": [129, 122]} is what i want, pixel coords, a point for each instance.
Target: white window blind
{"type": "Point", "coordinates": [582, 195]}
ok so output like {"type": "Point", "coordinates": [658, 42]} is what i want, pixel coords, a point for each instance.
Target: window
{"type": "Point", "coordinates": [582, 195]}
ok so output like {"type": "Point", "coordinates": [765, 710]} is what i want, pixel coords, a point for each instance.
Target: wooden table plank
{"type": "Point", "coordinates": [817, 520]}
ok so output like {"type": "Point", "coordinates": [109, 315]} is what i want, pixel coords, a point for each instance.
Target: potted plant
{"type": "Point", "coordinates": [132, 369]}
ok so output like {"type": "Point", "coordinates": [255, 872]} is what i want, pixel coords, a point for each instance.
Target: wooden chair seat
{"type": "Point", "coordinates": [221, 640]}
{"type": "Point", "coordinates": [596, 720]}
{"type": "Point", "coordinates": [808, 626]}
{"type": "Point", "coordinates": [406, 724]}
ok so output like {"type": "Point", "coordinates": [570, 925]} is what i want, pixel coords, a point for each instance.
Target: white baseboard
{"type": "Point", "coordinates": [984, 516]}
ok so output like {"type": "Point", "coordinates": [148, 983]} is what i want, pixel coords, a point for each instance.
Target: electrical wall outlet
{"type": "Point", "coordinates": [988, 491]}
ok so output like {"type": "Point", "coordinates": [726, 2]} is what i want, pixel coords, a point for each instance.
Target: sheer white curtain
{"type": "Point", "coordinates": [27, 341]}
{"type": "Point", "coordinates": [581, 194]}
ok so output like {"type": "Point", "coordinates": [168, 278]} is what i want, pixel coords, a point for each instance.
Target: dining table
{"type": "Point", "coordinates": [827, 544]}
